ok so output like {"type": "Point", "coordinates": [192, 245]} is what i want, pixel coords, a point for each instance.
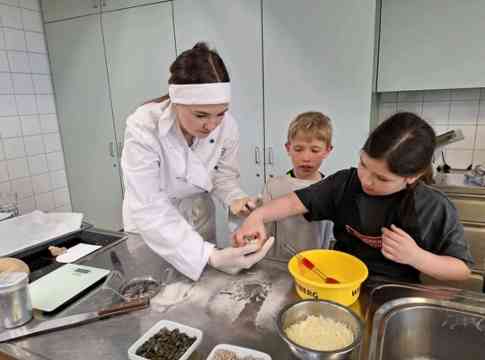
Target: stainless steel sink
{"type": "Point", "coordinates": [418, 328]}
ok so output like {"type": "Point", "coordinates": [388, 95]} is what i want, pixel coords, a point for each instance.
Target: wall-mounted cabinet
{"type": "Point", "coordinates": [432, 44]}
{"type": "Point", "coordinates": [104, 66]}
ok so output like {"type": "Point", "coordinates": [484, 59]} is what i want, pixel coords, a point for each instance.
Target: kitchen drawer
{"type": "Point", "coordinates": [471, 208]}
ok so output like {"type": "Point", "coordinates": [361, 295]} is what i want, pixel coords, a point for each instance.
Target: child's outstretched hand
{"type": "Point", "coordinates": [253, 228]}
{"type": "Point", "coordinates": [398, 246]}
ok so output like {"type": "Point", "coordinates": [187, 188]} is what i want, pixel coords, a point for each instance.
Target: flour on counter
{"type": "Point", "coordinates": [173, 294]}
{"type": "Point", "coordinates": [273, 303]}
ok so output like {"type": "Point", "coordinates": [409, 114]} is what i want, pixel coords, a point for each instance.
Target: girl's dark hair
{"type": "Point", "coordinates": [405, 141]}
{"type": "Point", "coordinates": [198, 65]}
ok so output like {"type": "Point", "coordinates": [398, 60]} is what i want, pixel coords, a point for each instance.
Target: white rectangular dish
{"type": "Point", "coordinates": [239, 351]}
{"type": "Point", "coordinates": [170, 325]}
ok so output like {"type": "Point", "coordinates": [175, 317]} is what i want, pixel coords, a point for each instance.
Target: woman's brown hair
{"type": "Point", "coordinates": [199, 65]}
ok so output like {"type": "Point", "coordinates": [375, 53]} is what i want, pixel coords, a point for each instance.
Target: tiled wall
{"type": "Point", "coordinates": [31, 158]}
{"type": "Point", "coordinates": [446, 109]}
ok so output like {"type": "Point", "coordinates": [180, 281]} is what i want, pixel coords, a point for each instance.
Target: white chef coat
{"type": "Point", "coordinates": [168, 184]}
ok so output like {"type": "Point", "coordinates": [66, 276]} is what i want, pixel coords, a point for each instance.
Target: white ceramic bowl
{"type": "Point", "coordinates": [170, 325]}
{"type": "Point", "coordinates": [239, 351]}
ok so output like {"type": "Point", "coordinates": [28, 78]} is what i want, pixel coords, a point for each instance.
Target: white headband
{"type": "Point", "coordinates": [200, 94]}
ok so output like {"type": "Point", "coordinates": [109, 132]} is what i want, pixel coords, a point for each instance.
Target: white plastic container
{"type": "Point", "coordinates": [170, 325]}
{"type": "Point", "coordinates": [239, 351]}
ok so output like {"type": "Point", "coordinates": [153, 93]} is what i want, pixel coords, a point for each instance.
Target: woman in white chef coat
{"type": "Point", "coordinates": [180, 150]}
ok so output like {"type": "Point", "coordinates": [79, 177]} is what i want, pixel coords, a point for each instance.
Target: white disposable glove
{"type": "Point", "coordinates": [232, 260]}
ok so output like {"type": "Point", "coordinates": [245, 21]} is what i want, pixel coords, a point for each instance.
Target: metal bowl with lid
{"type": "Point", "coordinates": [300, 310]}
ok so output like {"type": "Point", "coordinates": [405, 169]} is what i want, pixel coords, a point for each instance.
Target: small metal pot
{"type": "Point", "coordinates": [302, 309]}
{"type": "Point", "coordinates": [15, 304]}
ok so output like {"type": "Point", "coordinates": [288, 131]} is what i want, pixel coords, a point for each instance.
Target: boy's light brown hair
{"type": "Point", "coordinates": [313, 124]}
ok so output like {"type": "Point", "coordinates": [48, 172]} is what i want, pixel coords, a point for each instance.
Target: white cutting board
{"type": "Point", "coordinates": [56, 288]}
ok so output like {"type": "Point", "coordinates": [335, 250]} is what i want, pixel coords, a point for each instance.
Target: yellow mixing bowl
{"type": "Point", "coordinates": [347, 269]}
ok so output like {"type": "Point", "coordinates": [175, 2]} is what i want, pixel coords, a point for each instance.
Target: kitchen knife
{"type": "Point", "coordinates": [60, 323]}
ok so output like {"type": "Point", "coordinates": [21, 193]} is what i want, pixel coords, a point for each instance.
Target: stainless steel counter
{"type": "Point", "coordinates": [228, 309]}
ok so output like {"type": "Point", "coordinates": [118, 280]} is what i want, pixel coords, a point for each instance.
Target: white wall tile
{"type": "Point", "coordinates": [39, 63]}
{"type": "Point", "coordinates": [22, 84]}
{"type": "Point", "coordinates": [52, 142]}
{"type": "Point", "coordinates": [11, 16]}
{"type": "Point", "coordinates": [464, 112]}
{"type": "Point", "coordinates": [10, 127]}
{"type": "Point", "coordinates": [7, 105]}
{"type": "Point", "coordinates": [42, 84]}
{"type": "Point", "coordinates": [5, 187]}
{"type": "Point", "coordinates": [32, 20]}
{"type": "Point", "coordinates": [3, 171]}
{"type": "Point", "coordinates": [14, 148]}
{"type": "Point", "coordinates": [469, 132]}
{"type": "Point", "coordinates": [55, 161]}
{"type": "Point", "coordinates": [2, 39]}
{"type": "Point", "coordinates": [410, 96]}
{"type": "Point", "coordinates": [28, 121]}
{"type": "Point", "coordinates": [64, 208]}
{"type": "Point", "coordinates": [479, 157]}
{"type": "Point", "coordinates": [30, 124]}
{"type": "Point", "coordinates": [388, 97]}
{"type": "Point", "coordinates": [481, 117]}
{"type": "Point", "coordinates": [61, 197]}
{"type": "Point", "coordinates": [38, 164]}
{"type": "Point", "coordinates": [23, 187]}
{"type": "Point", "coordinates": [11, 2]}
{"type": "Point", "coordinates": [18, 168]}
{"type": "Point", "coordinates": [34, 145]}
{"type": "Point", "coordinates": [6, 84]}
{"type": "Point", "coordinates": [437, 95]}
{"type": "Point", "coordinates": [480, 137]}
{"type": "Point", "coordinates": [414, 107]}
{"type": "Point", "coordinates": [14, 39]}
{"type": "Point", "coordinates": [41, 183]}
{"type": "Point", "coordinates": [46, 104]}
{"type": "Point", "coordinates": [18, 61]}
{"type": "Point", "coordinates": [26, 104]}
{"type": "Point", "coordinates": [45, 202]}
{"type": "Point", "coordinates": [436, 112]}
{"type": "Point", "coordinates": [58, 179]}
{"type": "Point", "coordinates": [465, 94]}
{"type": "Point", "coordinates": [26, 205]}
{"type": "Point", "coordinates": [4, 60]}
{"type": "Point", "coordinates": [48, 123]}
{"type": "Point", "coordinates": [386, 110]}
{"type": "Point", "coordinates": [459, 159]}
{"type": "Point", "coordinates": [35, 42]}
{"type": "Point", "coordinates": [30, 4]}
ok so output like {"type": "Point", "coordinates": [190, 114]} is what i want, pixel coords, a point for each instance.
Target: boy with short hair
{"type": "Point", "coordinates": [309, 143]}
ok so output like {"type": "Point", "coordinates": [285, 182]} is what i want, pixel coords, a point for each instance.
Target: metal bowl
{"type": "Point", "coordinates": [300, 310]}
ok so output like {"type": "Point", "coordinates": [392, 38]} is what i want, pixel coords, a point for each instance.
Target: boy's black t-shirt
{"type": "Point", "coordinates": [423, 212]}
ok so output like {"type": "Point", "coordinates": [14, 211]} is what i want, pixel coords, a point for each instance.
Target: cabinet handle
{"type": "Point", "coordinates": [257, 155]}
{"type": "Point", "coordinates": [270, 155]}
{"type": "Point", "coordinates": [112, 149]}
{"type": "Point", "coordinates": [120, 148]}
{"type": "Point", "coordinates": [95, 4]}
{"type": "Point", "coordinates": [103, 3]}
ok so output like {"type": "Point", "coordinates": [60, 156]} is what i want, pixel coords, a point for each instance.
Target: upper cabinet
{"type": "Point", "coordinates": [432, 44]}
{"type": "Point", "coordinates": [63, 9]}
{"type": "Point", "coordinates": [140, 47]}
{"type": "Point", "coordinates": [318, 57]}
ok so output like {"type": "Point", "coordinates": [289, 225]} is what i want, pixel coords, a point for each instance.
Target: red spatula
{"type": "Point", "coordinates": [310, 265]}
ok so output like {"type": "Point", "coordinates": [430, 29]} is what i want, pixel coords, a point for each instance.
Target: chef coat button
{"type": "Point", "coordinates": [211, 141]}
{"type": "Point", "coordinates": [216, 167]}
